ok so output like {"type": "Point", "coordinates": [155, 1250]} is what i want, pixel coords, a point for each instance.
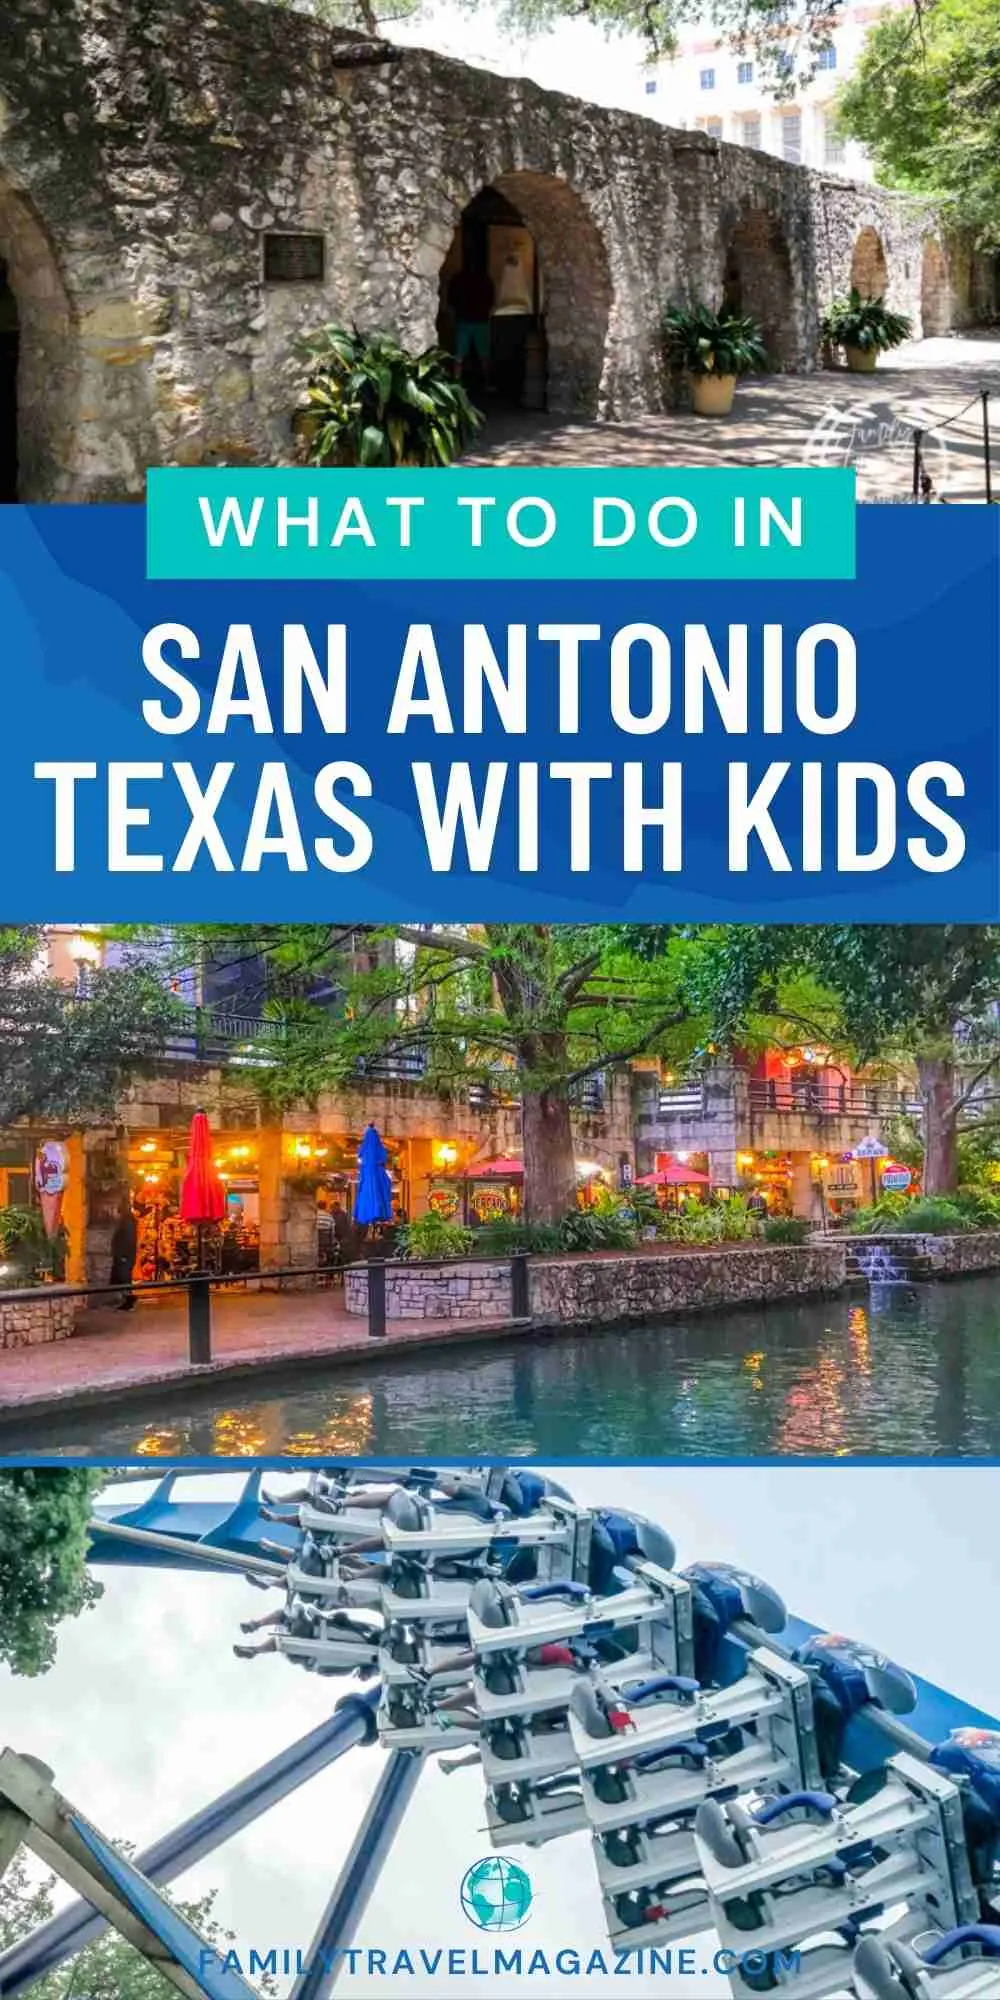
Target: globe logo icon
{"type": "Point", "coordinates": [496, 1894]}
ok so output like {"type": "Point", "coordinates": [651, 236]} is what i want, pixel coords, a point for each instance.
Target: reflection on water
{"type": "Point", "coordinates": [910, 1370]}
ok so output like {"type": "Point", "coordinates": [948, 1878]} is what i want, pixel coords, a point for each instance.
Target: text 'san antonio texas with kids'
{"type": "Point", "coordinates": [499, 1388]}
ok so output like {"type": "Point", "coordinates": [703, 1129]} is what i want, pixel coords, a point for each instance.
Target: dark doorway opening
{"type": "Point", "coordinates": [491, 311]}
{"type": "Point", "coordinates": [757, 281]}
{"type": "Point", "coordinates": [9, 349]}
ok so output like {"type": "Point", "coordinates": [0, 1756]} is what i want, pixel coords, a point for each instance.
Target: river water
{"type": "Point", "coordinates": [899, 1370]}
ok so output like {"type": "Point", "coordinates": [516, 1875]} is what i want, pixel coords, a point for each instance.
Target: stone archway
{"type": "Point", "coordinates": [758, 281]}
{"type": "Point", "coordinates": [38, 359]}
{"type": "Point", "coordinates": [551, 285]}
{"type": "Point", "coordinates": [869, 270]}
{"type": "Point", "coordinates": [935, 296]}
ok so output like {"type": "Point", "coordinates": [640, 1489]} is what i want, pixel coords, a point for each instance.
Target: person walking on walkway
{"type": "Point", "coordinates": [124, 1242]}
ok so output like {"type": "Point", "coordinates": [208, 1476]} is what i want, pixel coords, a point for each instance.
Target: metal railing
{"type": "Point", "coordinates": [197, 1290]}
{"type": "Point", "coordinates": [827, 1100]}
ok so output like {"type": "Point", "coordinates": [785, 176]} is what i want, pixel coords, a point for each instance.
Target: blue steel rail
{"type": "Point", "coordinates": [227, 1534]}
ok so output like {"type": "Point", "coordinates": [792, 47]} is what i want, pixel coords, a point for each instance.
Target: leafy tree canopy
{"type": "Point", "coordinates": [785, 36]}
{"type": "Point", "coordinates": [44, 1578]}
{"type": "Point", "coordinates": [925, 101]}
{"type": "Point", "coordinates": [67, 1057]}
{"type": "Point", "coordinates": [108, 1969]}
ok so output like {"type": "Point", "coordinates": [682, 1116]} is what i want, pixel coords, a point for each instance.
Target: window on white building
{"type": "Point", "coordinates": [750, 129]}
{"type": "Point", "coordinates": [833, 142]}
{"type": "Point", "coordinates": [650, 86]}
{"type": "Point", "coordinates": [713, 126]}
{"type": "Point", "coordinates": [744, 72]}
{"type": "Point", "coordinates": [791, 137]}
{"type": "Point", "coordinates": [827, 59]}
{"type": "Point", "coordinates": [707, 79]}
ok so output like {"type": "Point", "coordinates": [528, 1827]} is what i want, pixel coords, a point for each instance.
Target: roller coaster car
{"type": "Point", "coordinates": [809, 1862]}
{"type": "Point", "coordinates": [963, 1964]}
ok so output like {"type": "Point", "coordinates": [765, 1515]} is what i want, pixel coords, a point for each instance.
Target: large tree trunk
{"type": "Point", "coordinates": [549, 1167]}
{"type": "Point", "coordinates": [938, 1090]}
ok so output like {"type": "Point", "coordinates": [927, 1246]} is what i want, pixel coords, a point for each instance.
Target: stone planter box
{"type": "Point", "coordinates": [604, 1289]}
{"type": "Point", "coordinates": [29, 1320]}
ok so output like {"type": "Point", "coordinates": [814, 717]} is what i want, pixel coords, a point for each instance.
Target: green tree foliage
{"type": "Point", "coordinates": [925, 101]}
{"type": "Point", "coordinates": [108, 1969]}
{"type": "Point", "coordinates": [44, 1578]}
{"type": "Point", "coordinates": [785, 36]}
{"type": "Point", "coordinates": [528, 1010]}
{"type": "Point", "coordinates": [63, 1056]}
{"type": "Point", "coordinates": [922, 995]}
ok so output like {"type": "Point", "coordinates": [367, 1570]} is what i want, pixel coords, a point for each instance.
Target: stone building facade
{"type": "Point", "coordinates": [151, 154]}
{"type": "Point", "coordinates": [417, 1122]}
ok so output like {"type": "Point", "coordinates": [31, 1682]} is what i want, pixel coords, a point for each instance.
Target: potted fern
{"type": "Point", "coordinates": [713, 349]}
{"type": "Point", "coordinates": [370, 401]}
{"type": "Point", "coordinates": [864, 328]}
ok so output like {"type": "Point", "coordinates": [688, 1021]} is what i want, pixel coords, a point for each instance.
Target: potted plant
{"type": "Point", "coordinates": [864, 328]}
{"type": "Point", "coordinates": [712, 348]}
{"type": "Point", "coordinates": [370, 401]}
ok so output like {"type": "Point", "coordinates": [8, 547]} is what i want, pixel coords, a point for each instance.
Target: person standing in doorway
{"type": "Point", "coordinates": [471, 298]}
{"type": "Point", "coordinates": [124, 1243]}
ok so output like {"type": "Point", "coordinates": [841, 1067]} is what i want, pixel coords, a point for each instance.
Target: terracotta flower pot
{"type": "Point", "coordinates": [712, 395]}
{"type": "Point", "coordinates": [861, 360]}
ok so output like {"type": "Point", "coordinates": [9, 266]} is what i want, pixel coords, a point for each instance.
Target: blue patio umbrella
{"type": "Point", "coordinates": [373, 1200]}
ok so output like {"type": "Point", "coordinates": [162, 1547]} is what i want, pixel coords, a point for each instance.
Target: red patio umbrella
{"type": "Point", "coordinates": [503, 1169]}
{"type": "Point", "coordinates": [674, 1175]}
{"type": "Point", "coordinates": [203, 1197]}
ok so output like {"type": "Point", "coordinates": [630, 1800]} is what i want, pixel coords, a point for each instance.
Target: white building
{"type": "Point", "coordinates": [708, 86]}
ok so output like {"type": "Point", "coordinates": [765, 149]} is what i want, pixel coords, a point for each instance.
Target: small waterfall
{"type": "Point", "coordinates": [877, 1266]}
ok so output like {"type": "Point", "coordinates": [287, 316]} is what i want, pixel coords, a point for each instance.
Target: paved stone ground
{"type": "Point", "coordinates": [118, 1351]}
{"type": "Point", "coordinates": [830, 418]}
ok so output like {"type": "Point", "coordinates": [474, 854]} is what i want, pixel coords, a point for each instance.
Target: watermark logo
{"type": "Point", "coordinates": [881, 445]}
{"type": "Point", "coordinates": [496, 1894]}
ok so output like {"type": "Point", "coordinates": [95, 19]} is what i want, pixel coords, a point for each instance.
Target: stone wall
{"type": "Point", "coordinates": [472, 1291]}
{"type": "Point", "coordinates": [603, 1290]}
{"type": "Point", "coordinates": [29, 1321]}
{"type": "Point", "coordinates": [920, 1257]}
{"type": "Point", "coordinates": [147, 152]}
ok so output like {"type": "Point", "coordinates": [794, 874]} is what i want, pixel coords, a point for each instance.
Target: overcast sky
{"type": "Point", "coordinates": [146, 1714]}
{"type": "Point", "coordinates": [577, 58]}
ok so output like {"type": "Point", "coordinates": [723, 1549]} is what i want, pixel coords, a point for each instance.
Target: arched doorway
{"type": "Point", "coordinates": [757, 281]}
{"type": "Point", "coordinates": [935, 312]}
{"type": "Point", "coordinates": [38, 359]}
{"type": "Point", "coordinates": [9, 347]}
{"type": "Point", "coordinates": [869, 271]}
{"type": "Point", "coordinates": [528, 255]}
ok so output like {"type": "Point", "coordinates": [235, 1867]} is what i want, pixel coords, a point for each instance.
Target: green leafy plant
{"type": "Point", "coordinates": [370, 401]}
{"type": "Point", "coordinates": [867, 324]}
{"type": "Point", "coordinates": [506, 1237]}
{"type": "Point", "coordinates": [431, 1236]}
{"type": "Point", "coordinates": [980, 1206]}
{"type": "Point", "coordinates": [588, 1229]}
{"type": "Point", "coordinates": [26, 1253]}
{"type": "Point", "coordinates": [786, 1229]}
{"type": "Point", "coordinates": [929, 1215]}
{"type": "Point", "coordinates": [738, 1221]}
{"type": "Point", "coordinates": [877, 1216]}
{"type": "Point", "coordinates": [703, 342]}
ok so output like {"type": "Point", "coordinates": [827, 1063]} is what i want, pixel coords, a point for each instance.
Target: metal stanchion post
{"type": "Point", "coordinates": [985, 394]}
{"type": "Point", "coordinates": [376, 1298]}
{"type": "Point", "coordinates": [519, 1285]}
{"type": "Point", "coordinates": [199, 1294]}
{"type": "Point", "coordinates": [917, 435]}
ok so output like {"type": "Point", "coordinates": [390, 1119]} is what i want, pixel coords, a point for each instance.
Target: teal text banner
{"type": "Point", "coordinates": [521, 524]}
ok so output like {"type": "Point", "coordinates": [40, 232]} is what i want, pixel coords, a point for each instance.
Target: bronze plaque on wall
{"type": "Point", "coordinates": [294, 259]}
